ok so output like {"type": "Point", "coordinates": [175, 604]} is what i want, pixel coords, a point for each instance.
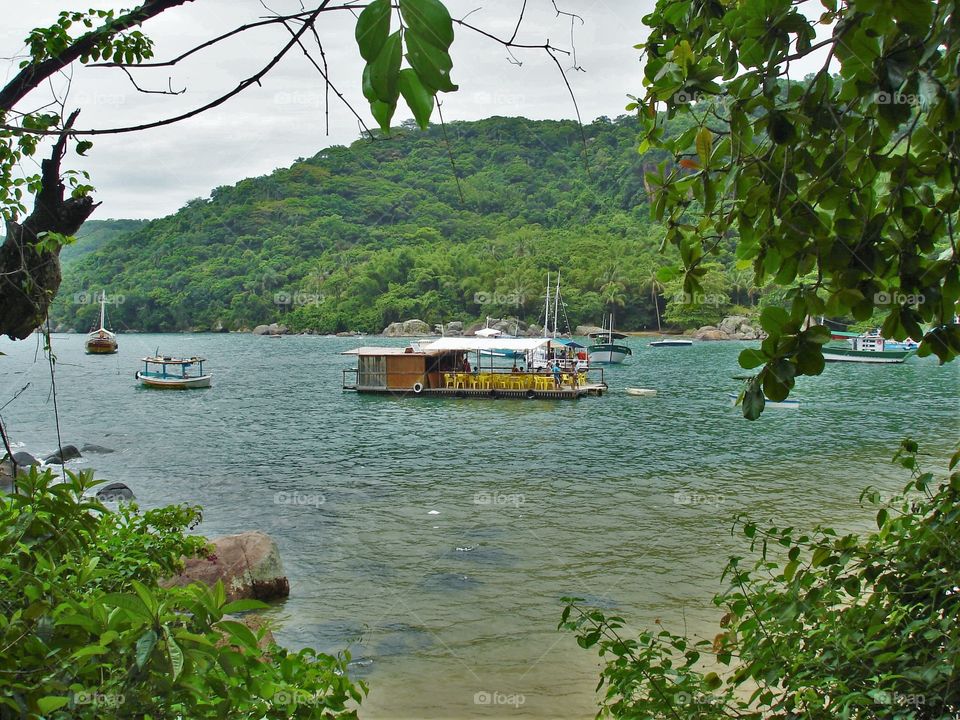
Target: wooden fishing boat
{"type": "Point", "coordinates": [604, 350]}
{"type": "Point", "coordinates": [101, 341]}
{"type": "Point", "coordinates": [467, 368]}
{"type": "Point", "coordinates": [170, 373]}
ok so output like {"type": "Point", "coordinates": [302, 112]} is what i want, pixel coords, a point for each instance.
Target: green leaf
{"type": "Point", "coordinates": [432, 64]}
{"type": "Point", "coordinates": [385, 69]}
{"type": "Point", "coordinates": [174, 653]}
{"type": "Point", "coordinates": [239, 632]}
{"type": "Point", "coordinates": [145, 646]}
{"type": "Point", "coordinates": [129, 603]}
{"type": "Point", "coordinates": [49, 703]}
{"type": "Point", "coordinates": [773, 318]}
{"type": "Point", "coordinates": [753, 401]}
{"type": "Point", "coordinates": [83, 146]}
{"type": "Point", "coordinates": [419, 99]}
{"type": "Point", "coordinates": [751, 358]}
{"type": "Point", "coordinates": [245, 605]}
{"type": "Point", "coordinates": [430, 20]}
{"type": "Point", "coordinates": [373, 27]}
{"type": "Point", "coordinates": [704, 145]}
{"type": "Point", "coordinates": [383, 112]}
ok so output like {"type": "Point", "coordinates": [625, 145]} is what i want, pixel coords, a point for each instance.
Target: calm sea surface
{"type": "Point", "coordinates": [436, 537]}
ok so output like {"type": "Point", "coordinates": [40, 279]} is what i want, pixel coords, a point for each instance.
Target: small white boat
{"type": "Point", "coordinates": [671, 343]}
{"type": "Point", "coordinates": [768, 403]}
{"type": "Point", "coordinates": [641, 392]}
{"type": "Point", "coordinates": [170, 373]}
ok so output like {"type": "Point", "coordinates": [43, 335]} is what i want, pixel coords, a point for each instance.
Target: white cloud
{"type": "Point", "coordinates": [154, 172]}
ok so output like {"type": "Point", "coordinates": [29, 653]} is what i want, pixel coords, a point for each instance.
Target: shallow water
{"type": "Point", "coordinates": [437, 536]}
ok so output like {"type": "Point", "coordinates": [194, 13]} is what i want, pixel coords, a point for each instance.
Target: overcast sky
{"type": "Point", "coordinates": [154, 172]}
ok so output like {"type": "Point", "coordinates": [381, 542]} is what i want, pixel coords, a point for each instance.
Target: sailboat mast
{"type": "Point", "coordinates": [103, 302]}
{"type": "Point", "coordinates": [556, 304]}
{"type": "Point", "coordinates": [546, 309]}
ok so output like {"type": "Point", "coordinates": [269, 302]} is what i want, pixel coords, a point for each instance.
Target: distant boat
{"type": "Point", "coordinates": [173, 373]}
{"type": "Point", "coordinates": [605, 350]}
{"type": "Point", "coordinates": [671, 343]}
{"type": "Point", "coordinates": [101, 341]}
{"type": "Point", "coordinates": [869, 347]}
{"type": "Point", "coordinates": [788, 403]}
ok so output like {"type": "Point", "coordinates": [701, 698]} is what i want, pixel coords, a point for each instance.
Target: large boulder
{"type": "Point", "coordinates": [414, 328]}
{"type": "Point", "coordinates": [25, 459]}
{"type": "Point", "coordinates": [67, 452]}
{"type": "Point", "coordinates": [92, 448]}
{"type": "Point", "coordinates": [584, 330]}
{"type": "Point", "coordinates": [115, 492]}
{"type": "Point", "coordinates": [453, 329]}
{"type": "Point", "coordinates": [271, 329]}
{"type": "Point", "coordinates": [249, 565]}
{"type": "Point", "coordinates": [407, 328]}
{"type": "Point", "coordinates": [709, 332]}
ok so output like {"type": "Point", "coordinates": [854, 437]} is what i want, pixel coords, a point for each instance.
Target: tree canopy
{"type": "Point", "coordinates": [843, 188]}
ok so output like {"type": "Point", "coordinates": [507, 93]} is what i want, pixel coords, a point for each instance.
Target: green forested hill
{"type": "Point", "coordinates": [95, 234]}
{"type": "Point", "coordinates": [357, 237]}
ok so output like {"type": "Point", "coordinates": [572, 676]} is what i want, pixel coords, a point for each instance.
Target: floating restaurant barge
{"type": "Point", "coordinates": [443, 368]}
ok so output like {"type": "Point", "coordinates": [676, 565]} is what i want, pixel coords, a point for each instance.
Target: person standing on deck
{"type": "Point", "coordinates": [556, 371]}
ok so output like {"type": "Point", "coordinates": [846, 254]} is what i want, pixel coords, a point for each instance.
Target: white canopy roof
{"type": "Point", "coordinates": [488, 332]}
{"type": "Point", "coordinates": [474, 344]}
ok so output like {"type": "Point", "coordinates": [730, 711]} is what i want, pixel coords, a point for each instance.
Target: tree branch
{"type": "Point", "coordinates": [30, 77]}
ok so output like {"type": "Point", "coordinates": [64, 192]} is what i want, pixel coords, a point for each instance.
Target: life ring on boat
{"type": "Point", "coordinates": [494, 394]}
{"type": "Point", "coordinates": [531, 395]}
{"type": "Point", "coordinates": [459, 394]}
{"type": "Point", "coordinates": [417, 388]}
{"type": "Point", "coordinates": [136, 375]}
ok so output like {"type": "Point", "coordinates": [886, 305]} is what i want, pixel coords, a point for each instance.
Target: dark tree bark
{"type": "Point", "coordinates": [29, 279]}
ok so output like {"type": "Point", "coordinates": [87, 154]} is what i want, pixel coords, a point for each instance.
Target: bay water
{"type": "Point", "coordinates": [436, 537]}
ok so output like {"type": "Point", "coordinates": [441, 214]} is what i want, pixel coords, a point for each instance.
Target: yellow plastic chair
{"type": "Point", "coordinates": [544, 382]}
{"type": "Point", "coordinates": [460, 380]}
{"type": "Point", "coordinates": [449, 380]}
{"type": "Point", "coordinates": [484, 382]}
{"type": "Point", "coordinates": [582, 378]}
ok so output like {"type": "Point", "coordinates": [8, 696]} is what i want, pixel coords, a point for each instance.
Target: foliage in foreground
{"type": "Point", "coordinates": [86, 631]}
{"type": "Point", "coordinates": [819, 626]}
{"type": "Point", "coordinates": [844, 188]}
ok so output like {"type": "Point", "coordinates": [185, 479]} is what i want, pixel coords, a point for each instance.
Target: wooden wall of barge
{"type": "Point", "coordinates": [404, 371]}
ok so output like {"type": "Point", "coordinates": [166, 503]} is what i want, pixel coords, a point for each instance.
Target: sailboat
{"type": "Point", "coordinates": [101, 341]}
{"type": "Point", "coordinates": [604, 349]}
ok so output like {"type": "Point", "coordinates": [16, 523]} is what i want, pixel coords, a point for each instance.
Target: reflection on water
{"type": "Point", "coordinates": [436, 537]}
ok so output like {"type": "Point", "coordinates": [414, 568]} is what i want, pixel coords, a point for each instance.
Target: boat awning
{"type": "Point", "coordinates": [475, 344]}
{"type": "Point", "coordinates": [569, 343]}
{"type": "Point", "coordinates": [373, 350]}
{"type": "Point", "coordinates": [606, 334]}
{"type": "Point", "coordinates": [488, 332]}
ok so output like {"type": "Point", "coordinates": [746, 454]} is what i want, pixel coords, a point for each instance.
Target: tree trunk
{"type": "Point", "coordinates": [29, 279]}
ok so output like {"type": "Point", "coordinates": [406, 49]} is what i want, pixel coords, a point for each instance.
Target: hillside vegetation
{"type": "Point", "coordinates": [358, 237]}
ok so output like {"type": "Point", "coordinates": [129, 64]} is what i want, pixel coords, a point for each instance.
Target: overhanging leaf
{"type": "Point", "coordinates": [373, 27]}
{"type": "Point", "coordinates": [418, 98]}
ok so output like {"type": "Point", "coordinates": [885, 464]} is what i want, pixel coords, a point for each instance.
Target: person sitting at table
{"type": "Point", "coordinates": [515, 369]}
